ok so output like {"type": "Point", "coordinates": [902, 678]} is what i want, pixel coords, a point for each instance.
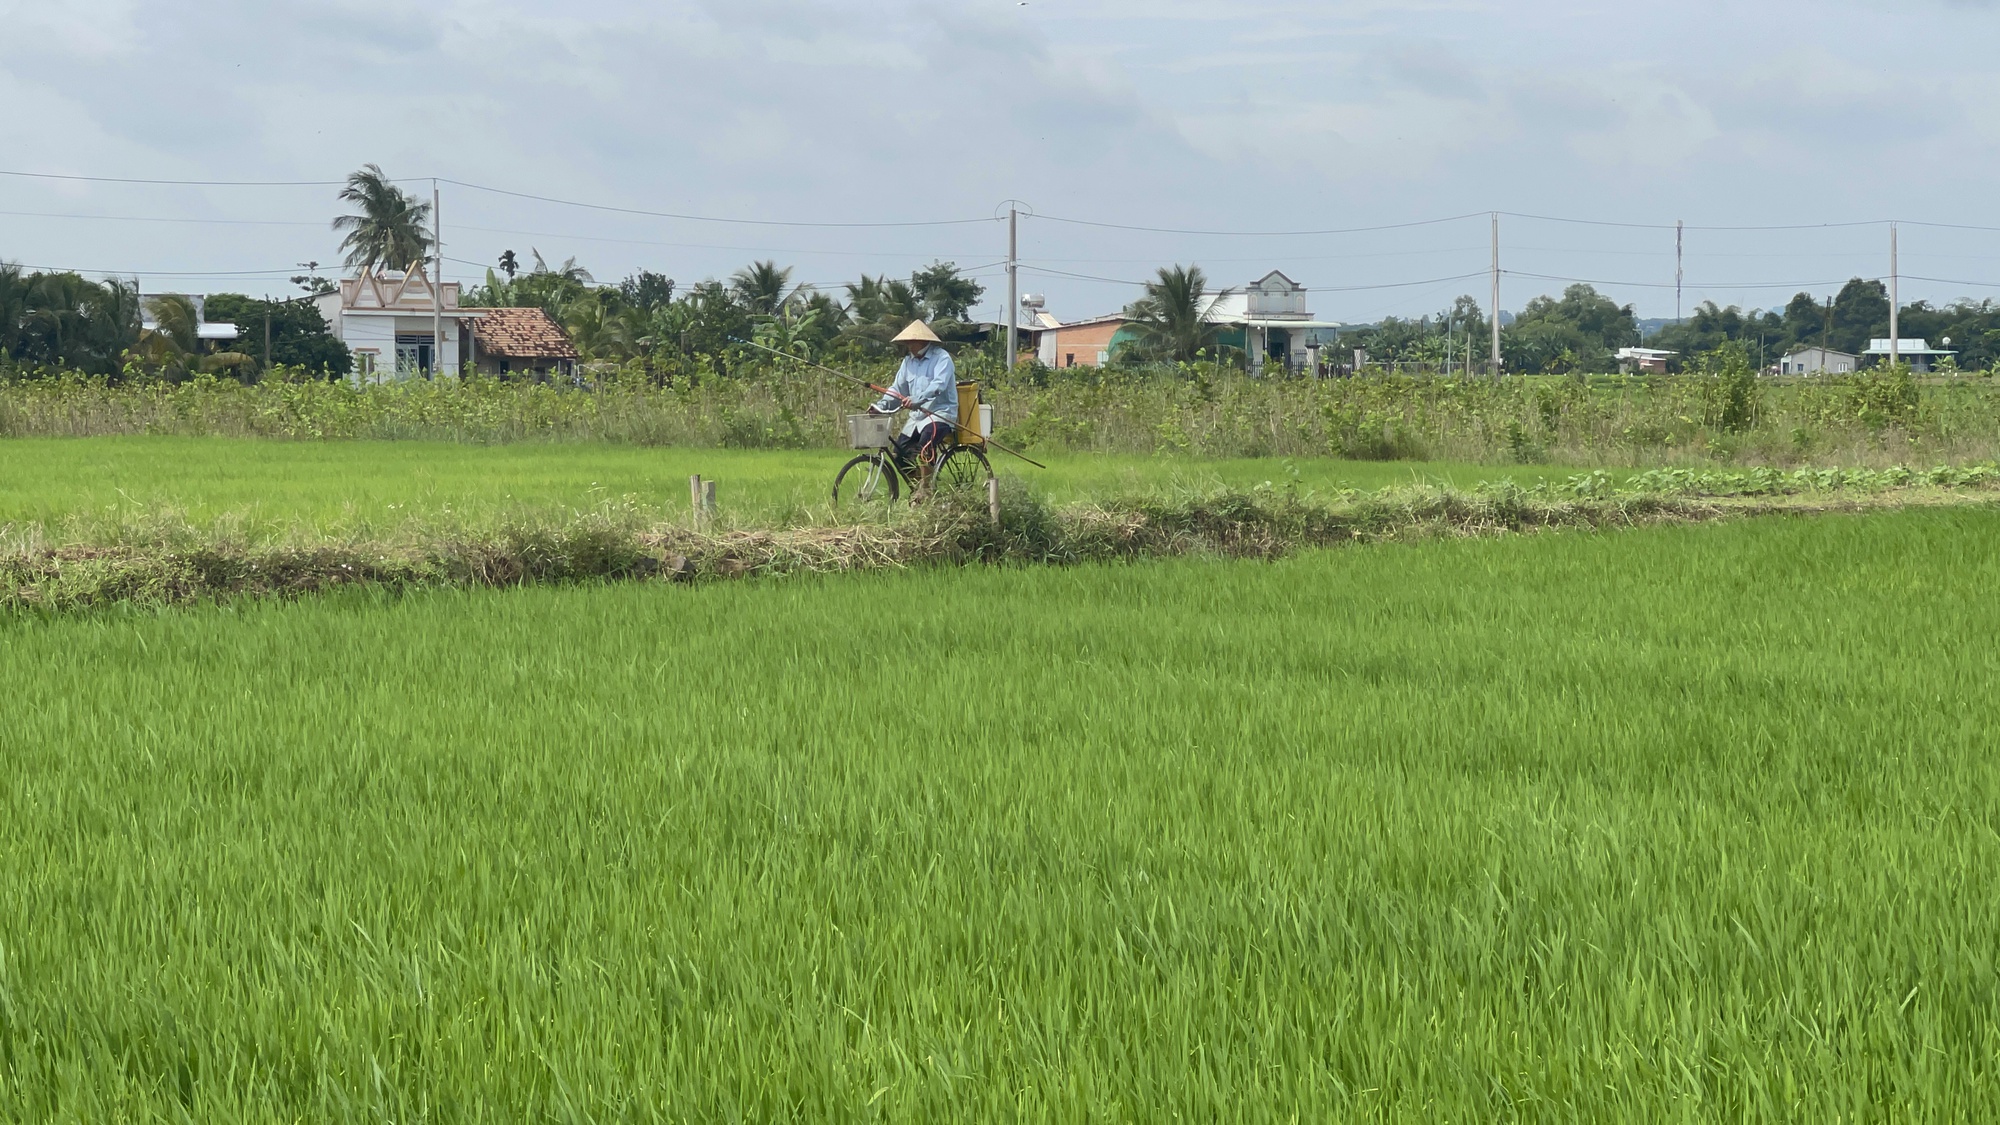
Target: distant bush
{"type": "Point", "coordinates": [1722, 412]}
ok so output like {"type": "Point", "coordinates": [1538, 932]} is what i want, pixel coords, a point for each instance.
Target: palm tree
{"type": "Point", "coordinates": [57, 318]}
{"type": "Point", "coordinates": [760, 287]}
{"type": "Point", "coordinates": [13, 308]}
{"type": "Point", "coordinates": [1176, 318]}
{"type": "Point", "coordinates": [569, 271]}
{"type": "Point", "coordinates": [880, 307]}
{"type": "Point", "coordinates": [174, 348]}
{"type": "Point", "coordinates": [389, 231]}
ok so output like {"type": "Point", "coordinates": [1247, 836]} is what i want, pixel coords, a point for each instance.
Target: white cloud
{"type": "Point", "coordinates": [1162, 112]}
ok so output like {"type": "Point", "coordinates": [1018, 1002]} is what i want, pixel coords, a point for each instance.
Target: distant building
{"type": "Point", "coordinates": [204, 330]}
{"type": "Point", "coordinates": [1816, 361]}
{"type": "Point", "coordinates": [1916, 352]}
{"type": "Point", "coordinates": [1645, 361]}
{"type": "Point", "coordinates": [1085, 343]}
{"type": "Point", "coordinates": [1268, 320]}
{"type": "Point", "coordinates": [387, 320]}
{"type": "Point", "coordinates": [519, 342]}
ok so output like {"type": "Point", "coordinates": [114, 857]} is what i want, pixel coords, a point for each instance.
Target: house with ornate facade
{"type": "Point", "coordinates": [1267, 321]}
{"type": "Point", "coordinates": [389, 323]}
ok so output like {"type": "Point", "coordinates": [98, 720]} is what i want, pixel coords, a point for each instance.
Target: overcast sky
{"type": "Point", "coordinates": [1211, 116]}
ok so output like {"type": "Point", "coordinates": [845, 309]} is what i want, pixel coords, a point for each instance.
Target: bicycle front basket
{"type": "Point", "coordinates": [870, 431]}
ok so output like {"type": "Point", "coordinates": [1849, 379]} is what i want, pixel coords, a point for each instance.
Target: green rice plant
{"type": "Point", "coordinates": [1536, 828]}
{"type": "Point", "coordinates": [372, 485]}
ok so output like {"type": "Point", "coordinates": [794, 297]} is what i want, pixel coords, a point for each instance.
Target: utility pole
{"type": "Point", "coordinates": [1493, 361]}
{"type": "Point", "coordinates": [437, 281]}
{"type": "Point", "coordinates": [1679, 226]}
{"type": "Point", "coordinates": [1826, 334]}
{"type": "Point", "coordinates": [1013, 285]}
{"type": "Point", "coordinates": [1895, 345]}
{"type": "Point", "coordinates": [267, 335]}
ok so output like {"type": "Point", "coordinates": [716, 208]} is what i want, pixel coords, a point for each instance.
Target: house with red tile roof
{"type": "Point", "coordinates": [520, 342]}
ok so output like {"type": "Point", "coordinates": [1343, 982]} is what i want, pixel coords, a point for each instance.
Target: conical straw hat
{"type": "Point", "coordinates": [917, 330]}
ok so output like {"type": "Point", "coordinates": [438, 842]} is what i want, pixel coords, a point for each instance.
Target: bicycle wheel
{"type": "Point", "coordinates": [964, 466]}
{"type": "Point", "coordinates": [868, 479]}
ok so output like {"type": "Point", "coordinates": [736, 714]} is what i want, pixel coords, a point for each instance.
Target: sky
{"type": "Point", "coordinates": [1360, 147]}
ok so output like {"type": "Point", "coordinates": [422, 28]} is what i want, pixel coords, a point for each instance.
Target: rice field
{"type": "Point", "coordinates": [1676, 824]}
{"type": "Point", "coordinates": [260, 482]}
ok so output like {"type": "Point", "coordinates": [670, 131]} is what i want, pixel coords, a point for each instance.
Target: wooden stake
{"type": "Point", "coordinates": [694, 495]}
{"type": "Point", "coordinates": [707, 498]}
{"type": "Point", "coordinates": [993, 501]}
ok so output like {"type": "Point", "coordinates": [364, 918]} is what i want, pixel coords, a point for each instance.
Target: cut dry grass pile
{"type": "Point", "coordinates": [162, 559]}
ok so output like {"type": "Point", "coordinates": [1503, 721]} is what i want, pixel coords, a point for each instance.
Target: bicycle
{"type": "Point", "coordinates": [873, 477]}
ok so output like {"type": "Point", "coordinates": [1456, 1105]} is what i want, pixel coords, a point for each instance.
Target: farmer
{"type": "Point", "coordinates": [927, 379]}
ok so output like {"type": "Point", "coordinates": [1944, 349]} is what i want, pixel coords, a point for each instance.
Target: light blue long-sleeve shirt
{"type": "Point", "coordinates": [931, 381]}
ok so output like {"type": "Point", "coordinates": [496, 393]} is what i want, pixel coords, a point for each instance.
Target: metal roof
{"type": "Point", "coordinates": [1905, 346]}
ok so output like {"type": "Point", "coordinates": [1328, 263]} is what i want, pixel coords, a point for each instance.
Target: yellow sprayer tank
{"type": "Point", "coordinates": [974, 421]}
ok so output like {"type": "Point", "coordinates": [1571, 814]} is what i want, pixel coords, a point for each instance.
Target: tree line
{"type": "Point", "coordinates": [63, 320]}
{"type": "Point", "coordinates": [1583, 329]}
{"type": "Point", "coordinates": [648, 316]}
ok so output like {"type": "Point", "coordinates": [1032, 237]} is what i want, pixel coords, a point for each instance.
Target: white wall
{"type": "Point", "coordinates": [361, 330]}
{"type": "Point", "coordinates": [329, 310]}
{"type": "Point", "coordinates": [376, 332]}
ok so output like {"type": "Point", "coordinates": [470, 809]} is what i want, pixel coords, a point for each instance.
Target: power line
{"type": "Point", "coordinates": [1690, 226]}
{"type": "Point", "coordinates": [1946, 226]}
{"type": "Point", "coordinates": [1316, 289]}
{"type": "Point", "coordinates": [1254, 233]}
{"type": "Point", "coordinates": [1399, 284]}
{"type": "Point", "coordinates": [702, 245]}
{"type": "Point", "coordinates": [173, 183]}
{"type": "Point", "coordinates": [495, 191]}
{"type": "Point", "coordinates": [1954, 281]}
{"type": "Point", "coordinates": [158, 273]}
{"type": "Point", "coordinates": [1279, 257]}
{"type": "Point", "coordinates": [165, 219]}
{"type": "Point", "coordinates": [705, 218]}
{"type": "Point", "coordinates": [1690, 285]}
{"type": "Point", "coordinates": [167, 182]}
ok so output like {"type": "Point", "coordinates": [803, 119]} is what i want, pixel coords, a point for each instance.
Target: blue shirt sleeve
{"type": "Point", "coordinates": [889, 403]}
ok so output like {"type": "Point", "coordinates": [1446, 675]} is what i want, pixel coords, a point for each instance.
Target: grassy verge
{"type": "Point", "coordinates": [159, 559]}
{"type": "Point", "coordinates": [1680, 824]}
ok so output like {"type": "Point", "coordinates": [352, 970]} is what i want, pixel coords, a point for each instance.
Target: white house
{"type": "Point", "coordinates": [1646, 361]}
{"type": "Point", "coordinates": [1268, 319]}
{"type": "Point", "coordinates": [204, 329]}
{"type": "Point", "coordinates": [1916, 352]}
{"type": "Point", "coordinates": [1815, 361]}
{"type": "Point", "coordinates": [387, 321]}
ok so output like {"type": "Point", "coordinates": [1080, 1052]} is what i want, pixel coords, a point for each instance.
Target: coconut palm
{"type": "Point", "coordinates": [568, 272]}
{"type": "Point", "coordinates": [760, 287]}
{"type": "Point", "coordinates": [389, 231]}
{"type": "Point", "coordinates": [55, 325]}
{"type": "Point", "coordinates": [1176, 318]}
{"type": "Point", "coordinates": [13, 309]}
{"type": "Point", "coordinates": [173, 347]}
